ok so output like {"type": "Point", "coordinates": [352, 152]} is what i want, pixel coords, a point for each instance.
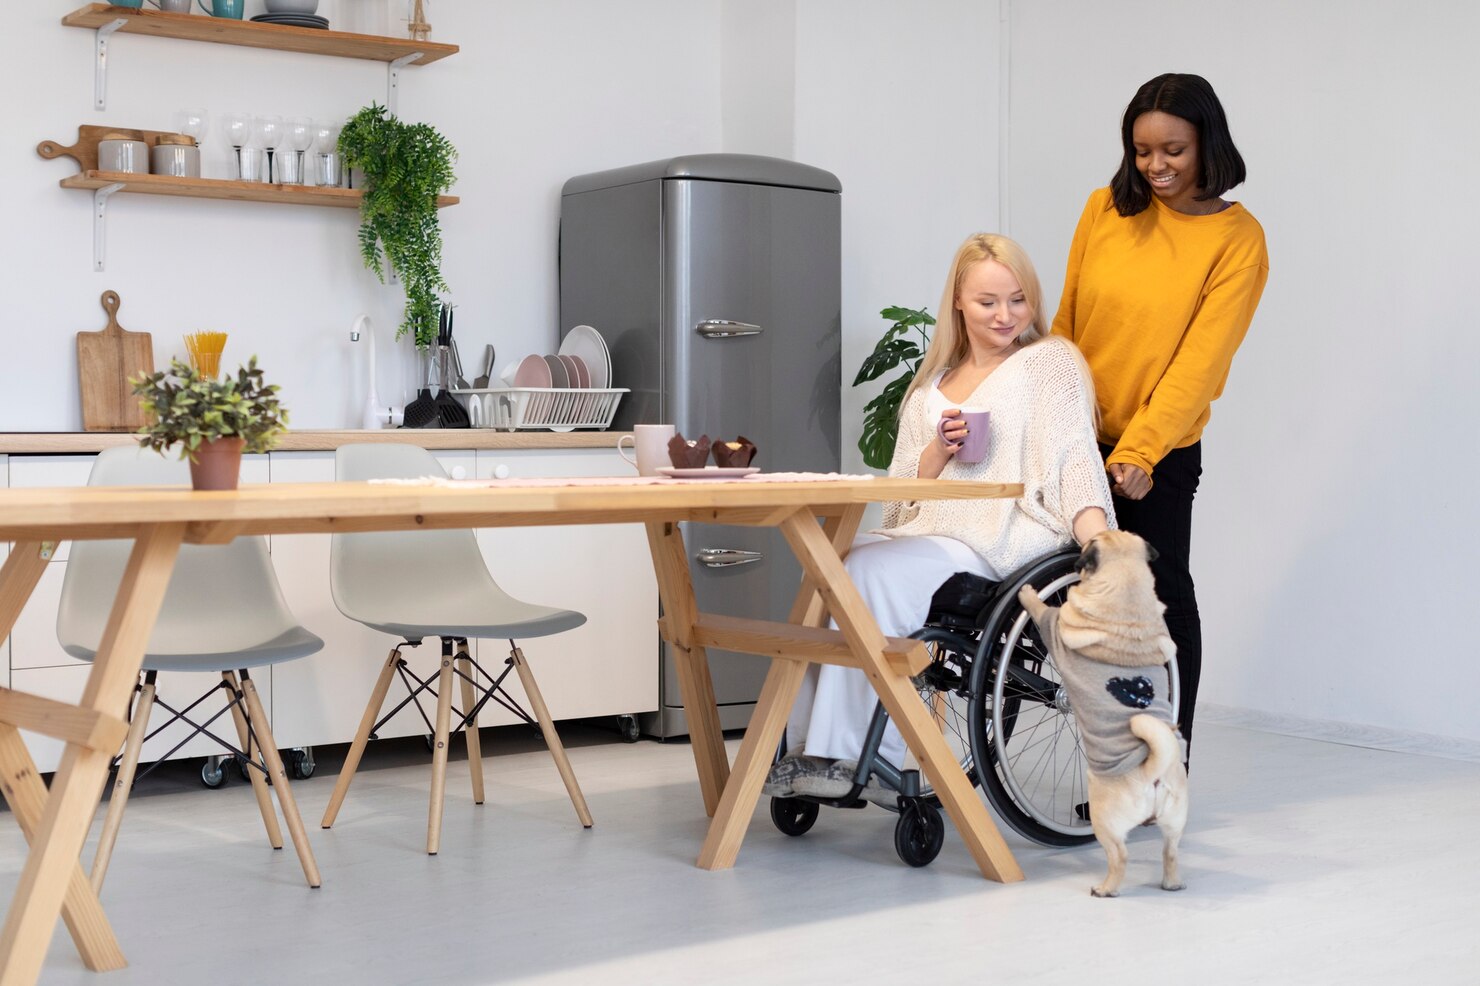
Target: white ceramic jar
{"type": "Point", "coordinates": [176, 155]}
{"type": "Point", "coordinates": [120, 152]}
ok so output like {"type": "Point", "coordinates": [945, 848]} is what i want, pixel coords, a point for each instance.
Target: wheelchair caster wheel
{"type": "Point", "coordinates": [919, 833]}
{"type": "Point", "coordinates": [793, 815]}
{"type": "Point", "coordinates": [212, 773]}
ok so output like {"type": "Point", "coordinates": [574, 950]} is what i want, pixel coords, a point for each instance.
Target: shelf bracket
{"type": "Point", "coordinates": [393, 79]}
{"type": "Point", "coordinates": [100, 226]}
{"type": "Point", "coordinates": [100, 62]}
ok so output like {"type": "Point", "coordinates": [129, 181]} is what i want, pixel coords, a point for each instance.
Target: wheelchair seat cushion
{"type": "Point", "coordinates": [961, 600]}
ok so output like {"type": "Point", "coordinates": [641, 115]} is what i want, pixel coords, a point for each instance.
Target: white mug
{"type": "Point", "coordinates": [650, 443]}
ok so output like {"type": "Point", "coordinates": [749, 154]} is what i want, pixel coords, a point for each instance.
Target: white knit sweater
{"type": "Point", "coordinates": [1041, 435]}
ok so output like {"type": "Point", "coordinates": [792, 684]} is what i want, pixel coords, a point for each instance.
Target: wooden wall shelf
{"type": "Point", "coordinates": [251, 34]}
{"type": "Point", "coordinates": [218, 188]}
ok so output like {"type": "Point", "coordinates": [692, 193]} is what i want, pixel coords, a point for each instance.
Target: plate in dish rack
{"type": "Point", "coordinates": [708, 472]}
{"type": "Point", "coordinates": [587, 344]}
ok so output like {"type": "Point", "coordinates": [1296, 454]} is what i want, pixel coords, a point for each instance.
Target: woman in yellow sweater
{"type": "Point", "coordinates": [1163, 279]}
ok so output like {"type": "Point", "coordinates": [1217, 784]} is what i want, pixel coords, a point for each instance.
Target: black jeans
{"type": "Point", "coordinates": [1164, 519]}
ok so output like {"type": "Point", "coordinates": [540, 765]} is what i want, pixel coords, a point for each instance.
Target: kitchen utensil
{"type": "Point", "coordinates": [558, 378]}
{"type": "Point", "coordinates": [223, 8]}
{"type": "Point", "coordinates": [449, 408]}
{"type": "Point", "coordinates": [481, 380]}
{"type": "Point", "coordinates": [105, 361]}
{"type": "Point", "coordinates": [291, 6]}
{"type": "Point", "coordinates": [532, 371]}
{"type": "Point", "coordinates": [649, 447]}
{"type": "Point", "coordinates": [422, 412]}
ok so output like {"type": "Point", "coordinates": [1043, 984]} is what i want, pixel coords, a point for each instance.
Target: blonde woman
{"type": "Point", "coordinates": [991, 351]}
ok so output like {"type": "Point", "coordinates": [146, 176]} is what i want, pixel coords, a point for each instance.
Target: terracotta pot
{"type": "Point", "coordinates": [217, 465]}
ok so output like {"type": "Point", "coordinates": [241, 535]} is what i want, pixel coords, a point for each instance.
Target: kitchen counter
{"type": "Point", "coordinates": [76, 442]}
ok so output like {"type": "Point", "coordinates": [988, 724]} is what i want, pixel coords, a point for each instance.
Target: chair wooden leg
{"type": "Point", "coordinates": [274, 763]}
{"type": "Point", "coordinates": [259, 782]}
{"type": "Point", "coordinates": [469, 697]}
{"type": "Point", "coordinates": [439, 753]}
{"type": "Point", "coordinates": [123, 785]}
{"type": "Point", "coordinates": [552, 738]}
{"type": "Point", "coordinates": [362, 736]}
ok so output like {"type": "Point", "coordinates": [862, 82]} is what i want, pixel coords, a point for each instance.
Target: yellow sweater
{"type": "Point", "coordinates": [1158, 302]}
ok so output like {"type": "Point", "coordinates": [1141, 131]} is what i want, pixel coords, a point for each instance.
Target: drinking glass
{"type": "Point", "coordinates": [298, 134]}
{"type": "Point", "coordinates": [326, 143]}
{"type": "Point", "coordinates": [270, 130]}
{"type": "Point", "coordinates": [239, 131]}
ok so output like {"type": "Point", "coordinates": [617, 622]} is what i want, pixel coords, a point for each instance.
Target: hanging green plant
{"type": "Point", "coordinates": [881, 415]}
{"type": "Point", "coordinates": [406, 167]}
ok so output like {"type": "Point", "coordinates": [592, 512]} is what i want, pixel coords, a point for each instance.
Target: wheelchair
{"type": "Point", "coordinates": [993, 690]}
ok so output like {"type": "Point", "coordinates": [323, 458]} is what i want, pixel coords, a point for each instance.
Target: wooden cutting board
{"type": "Point", "coordinates": [105, 361]}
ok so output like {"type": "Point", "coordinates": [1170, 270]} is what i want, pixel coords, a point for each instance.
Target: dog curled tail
{"type": "Point", "coordinates": [1164, 748]}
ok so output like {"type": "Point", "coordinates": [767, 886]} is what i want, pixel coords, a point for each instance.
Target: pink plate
{"type": "Point", "coordinates": [532, 372]}
{"type": "Point", "coordinates": [572, 371]}
{"type": "Point", "coordinates": [582, 369]}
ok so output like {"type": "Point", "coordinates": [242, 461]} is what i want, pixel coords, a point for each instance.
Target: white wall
{"type": "Point", "coordinates": [1331, 527]}
{"type": "Point", "coordinates": [540, 91]}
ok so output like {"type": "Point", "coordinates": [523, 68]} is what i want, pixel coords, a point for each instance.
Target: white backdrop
{"type": "Point", "coordinates": [1328, 547]}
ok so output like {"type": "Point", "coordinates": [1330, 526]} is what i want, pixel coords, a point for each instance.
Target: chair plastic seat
{"type": "Point", "coordinates": [290, 645]}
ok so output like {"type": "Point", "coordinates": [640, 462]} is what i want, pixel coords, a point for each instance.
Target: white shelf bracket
{"type": "Point", "coordinates": [100, 226]}
{"type": "Point", "coordinates": [393, 79]}
{"type": "Point", "coordinates": [100, 62]}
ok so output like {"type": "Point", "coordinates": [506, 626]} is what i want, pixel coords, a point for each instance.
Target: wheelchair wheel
{"type": "Point", "coordinates": [919, 833]}
{"type": "Point", "coordinates": [1021, 715]}
{"type": "Point", "coordinates": [793, 815]}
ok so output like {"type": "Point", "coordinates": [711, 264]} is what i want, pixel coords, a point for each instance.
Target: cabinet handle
{"type": "Point", "coordinates": [723, 328]}
{"type": "Point", "coordinates": [727, 557]}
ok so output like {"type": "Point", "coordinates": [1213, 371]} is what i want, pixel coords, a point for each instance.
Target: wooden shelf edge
{"type": "Point", "coordinates": [478, 439]}
{"type": "Point", "coordinates": [223, 188]}
{"type": "Point", "coordinates": [252, 34]}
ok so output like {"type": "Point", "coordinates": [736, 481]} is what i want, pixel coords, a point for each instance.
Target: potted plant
{"type": "Point", "coordinates": [211, 421]}
{"type": "Point", "coordinates": [406, 167]}
{"type": "Point", "coordinates": [881, 415]}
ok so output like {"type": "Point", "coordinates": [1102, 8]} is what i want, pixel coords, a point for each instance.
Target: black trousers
{"type": "Point", "coordinates": [1164, 519]}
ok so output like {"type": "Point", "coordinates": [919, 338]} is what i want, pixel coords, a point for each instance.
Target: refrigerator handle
{"type": "Point", "coordinates": [724, 328]}
{"type": "Point", "coordinates": [727, 557]}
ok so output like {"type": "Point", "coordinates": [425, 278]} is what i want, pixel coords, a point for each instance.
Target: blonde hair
{"type": "Point", "coordinates": [949, 345]}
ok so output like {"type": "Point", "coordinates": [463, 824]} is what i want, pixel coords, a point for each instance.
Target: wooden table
{"type": "Point", "coordinates": [160, 519]}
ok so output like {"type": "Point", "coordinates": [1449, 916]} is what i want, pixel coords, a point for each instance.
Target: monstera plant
{"type": "Point", "coordinates": [898, 346]}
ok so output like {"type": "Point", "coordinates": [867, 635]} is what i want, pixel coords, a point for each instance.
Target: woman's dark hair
{"type": "Point", "coordinates": [1191, 98]}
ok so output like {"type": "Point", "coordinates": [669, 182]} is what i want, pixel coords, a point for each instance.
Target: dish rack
{"type": "Point", "coordinates": [524, 408]}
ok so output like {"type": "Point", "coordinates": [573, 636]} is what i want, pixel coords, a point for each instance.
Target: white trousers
{"type": "Point", "coordinates": [897, 578]}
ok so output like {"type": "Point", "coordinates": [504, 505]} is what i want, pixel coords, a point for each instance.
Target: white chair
{"type": "Point", "coordinates": [418, 584]}
{"type": "Point", "coordinates": [223, 613]}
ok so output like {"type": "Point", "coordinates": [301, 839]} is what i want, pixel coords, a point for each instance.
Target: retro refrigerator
{"type": "Point", "coordinates": [715, 280]}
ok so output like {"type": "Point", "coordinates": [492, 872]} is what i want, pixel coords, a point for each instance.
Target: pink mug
{"type": "Point", "coordinates": [978, 427]}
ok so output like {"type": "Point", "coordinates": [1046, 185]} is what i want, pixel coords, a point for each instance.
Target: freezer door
{"type": "Point", "coordinates": [751, 339]}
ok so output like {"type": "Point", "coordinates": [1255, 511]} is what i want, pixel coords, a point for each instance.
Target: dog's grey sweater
{"type": "Point", "coordinates": [1104, 697]}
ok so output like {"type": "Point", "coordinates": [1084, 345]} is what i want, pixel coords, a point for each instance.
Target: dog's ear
{"type": "Point", "coordinates": [1089, 559]}
{"type": "Point", "coordinates": [1151, 553]}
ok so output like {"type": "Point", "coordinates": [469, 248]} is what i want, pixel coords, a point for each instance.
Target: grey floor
{"type": "Point", "coordinates": [1306, 862]}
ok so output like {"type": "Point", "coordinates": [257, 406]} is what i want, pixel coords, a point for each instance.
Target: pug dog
{"type": "Point", "coordinates": [1110, 644]}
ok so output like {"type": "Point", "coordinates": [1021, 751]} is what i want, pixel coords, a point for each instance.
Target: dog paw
{"type": "Point", "coordinates": [1098, 892]}
{"type": "Point", "coordinates": [1174, 886]}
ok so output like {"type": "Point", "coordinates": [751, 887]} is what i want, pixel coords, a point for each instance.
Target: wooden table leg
{"type": "Point", "coordinates": [676, 589]}
{"type": "Point", "coordinates": [768, 721]}
{"type": "Point", "coordinates": [821, 562]}
{"type": "Point", "coordinates": [78, 783]}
